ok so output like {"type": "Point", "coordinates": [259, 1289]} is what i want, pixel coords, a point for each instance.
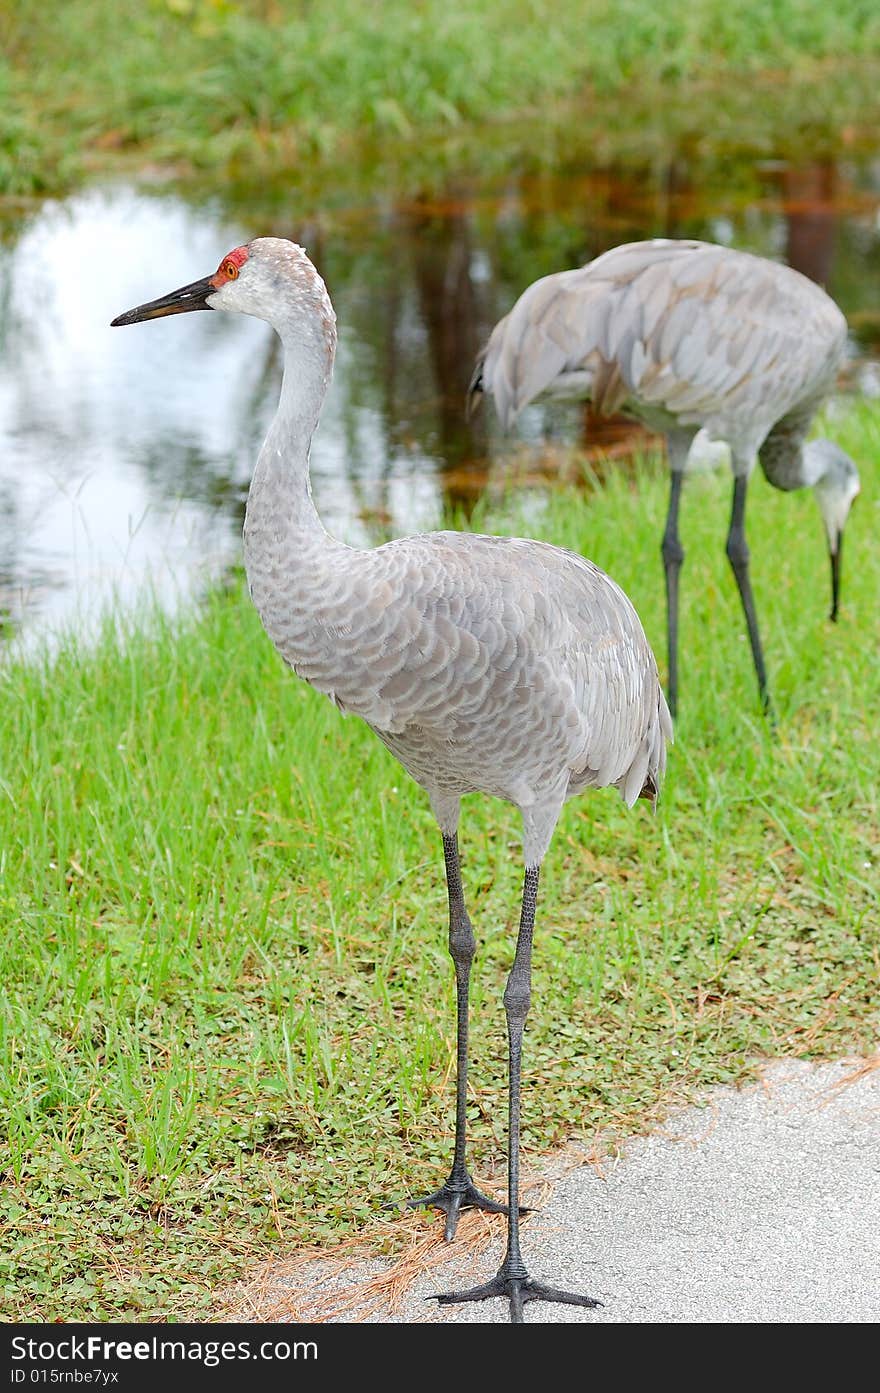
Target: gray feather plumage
{"type": "Point", "coordinates": [686, 336]}
{"type": "Point", "coordinates": [699, 334]}
{"type": "Point", "coordinates": [484, 663]}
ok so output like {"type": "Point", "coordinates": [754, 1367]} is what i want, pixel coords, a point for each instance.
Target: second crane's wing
{"type": "Point", "coordinates": [688, 327]}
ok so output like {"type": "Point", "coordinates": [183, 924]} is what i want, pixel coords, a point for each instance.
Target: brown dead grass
{"type": "Point", "coordinates": [311, 1287]}
{"type": "Point", "coordinates": [355, 1282]}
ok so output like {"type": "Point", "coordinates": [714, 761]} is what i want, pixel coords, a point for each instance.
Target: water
{"type": "Point", "coordinates": [125, 454]}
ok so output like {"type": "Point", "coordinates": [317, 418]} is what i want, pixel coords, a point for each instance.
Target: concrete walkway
{"type": "Point", "coordinates": [761, 1206]}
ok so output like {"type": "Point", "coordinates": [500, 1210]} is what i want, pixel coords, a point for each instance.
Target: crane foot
{"type": "Point", "coordinates": [453, 1198]}
{"type": "Point", "coordinates": [518, 1290]}
{"type": "Point", "coordinates": [457, 1194]}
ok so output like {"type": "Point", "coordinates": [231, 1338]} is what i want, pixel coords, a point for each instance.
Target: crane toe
{"type": "Point", "coordinates": [518, 1290]}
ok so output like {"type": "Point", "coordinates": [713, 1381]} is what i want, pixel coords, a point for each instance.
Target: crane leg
{"type": "Point", "coordinates": [673, 556]}
{"type": "Point", "coordinates": [512, 1279]}
{"type": "Point", "coordinates": [459, 1192]}
{"type": "Point", "coordinates": [738, 556]}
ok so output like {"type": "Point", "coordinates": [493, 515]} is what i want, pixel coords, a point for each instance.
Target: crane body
{"type": "Point", "coordinates": [492, 664]}
{"type": "Point", "coordinates": [688, 336]}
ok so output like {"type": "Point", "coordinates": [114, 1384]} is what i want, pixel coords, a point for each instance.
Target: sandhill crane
{"type": "Point", "coordinates": [684, 335]}
{"type": "Point", "coordinates": [482, 663]}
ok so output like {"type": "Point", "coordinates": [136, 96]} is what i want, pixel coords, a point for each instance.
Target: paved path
{"type": "Point", "coordinates": [762, 1206]}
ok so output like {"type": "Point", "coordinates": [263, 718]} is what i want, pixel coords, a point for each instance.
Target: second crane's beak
{"type": "Point", "coordinates": [835, 554]}
{"type": "Point", "coordinates": [189, 297]}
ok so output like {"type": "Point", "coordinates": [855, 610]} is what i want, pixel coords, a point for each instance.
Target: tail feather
{"type": "Point", "coordinates": [649, 765]}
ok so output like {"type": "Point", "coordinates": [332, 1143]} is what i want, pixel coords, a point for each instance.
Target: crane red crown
{"type": "Point", "coordinates": [229, 267]}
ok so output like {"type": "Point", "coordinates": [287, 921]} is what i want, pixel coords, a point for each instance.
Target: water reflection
{"type": "Point", "coordinates": [127, 455]}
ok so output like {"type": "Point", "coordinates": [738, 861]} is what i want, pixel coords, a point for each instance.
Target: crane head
{"type": "Point", "coordinates": [270, 278]}
{"type": "Point", "coordinates": [836, 488]}
{"type": "Point", "coordinates": [195, 296]}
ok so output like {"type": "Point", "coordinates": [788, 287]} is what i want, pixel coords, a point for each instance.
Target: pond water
{"type": "Point", "coordinates": [125, 455]}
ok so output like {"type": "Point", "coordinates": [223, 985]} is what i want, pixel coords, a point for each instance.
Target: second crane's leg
{"type": "Point", "coordinates": [512, 1279]}
{"type": "Point", "coordinates": [673, 556]}
{"type": "Point", "coordinates": [738, 556]}
{"type": "Point", "coordinates": [459, 1192]}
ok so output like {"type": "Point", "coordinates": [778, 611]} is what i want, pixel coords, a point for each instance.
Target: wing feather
{"type": "Point", "coordinates": [544, 672]}
{"type": "Point", "coordinates": [682, 326]}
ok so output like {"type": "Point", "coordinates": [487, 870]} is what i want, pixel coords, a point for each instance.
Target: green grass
{"type": "Point", "coordinates": [258, 88]}
{"type": "Point", "coordinates": [227, 1015]}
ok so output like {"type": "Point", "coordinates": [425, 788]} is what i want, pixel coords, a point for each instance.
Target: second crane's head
{"type": "Point", "coordinates": [836, 485]}
{"type": "Point", "coordinates": [270, 278]}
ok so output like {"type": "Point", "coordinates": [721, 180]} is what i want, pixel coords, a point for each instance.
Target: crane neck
{"type": "Point", "coordinates": [790, 464]}
{"type": "Point", "coordinates": [289, 558]}
{"type": "Point", "coordinates": [280, 496]}
{"type": "Point", "coordinates": [787, 461]}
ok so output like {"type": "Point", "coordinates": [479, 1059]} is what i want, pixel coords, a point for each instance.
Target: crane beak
{"type": "Point", "coordinates": [835, 554]}
{"type": "Point", "coordinates": [474, 391]}
{"type": "Point", "coordinates": [189, 297]}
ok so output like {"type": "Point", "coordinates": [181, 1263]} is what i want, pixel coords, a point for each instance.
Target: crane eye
{"type": "Point", "coordinates": [230, 270]}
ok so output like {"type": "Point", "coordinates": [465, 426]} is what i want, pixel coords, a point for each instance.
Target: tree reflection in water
{"type": "Point", "coordinates": [119, 458]}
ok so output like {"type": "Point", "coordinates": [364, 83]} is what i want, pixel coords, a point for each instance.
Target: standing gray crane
{"type": "Point", "coordinates": [483, 663]}
{"type": "Point", "coordinates": [684, 335]}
